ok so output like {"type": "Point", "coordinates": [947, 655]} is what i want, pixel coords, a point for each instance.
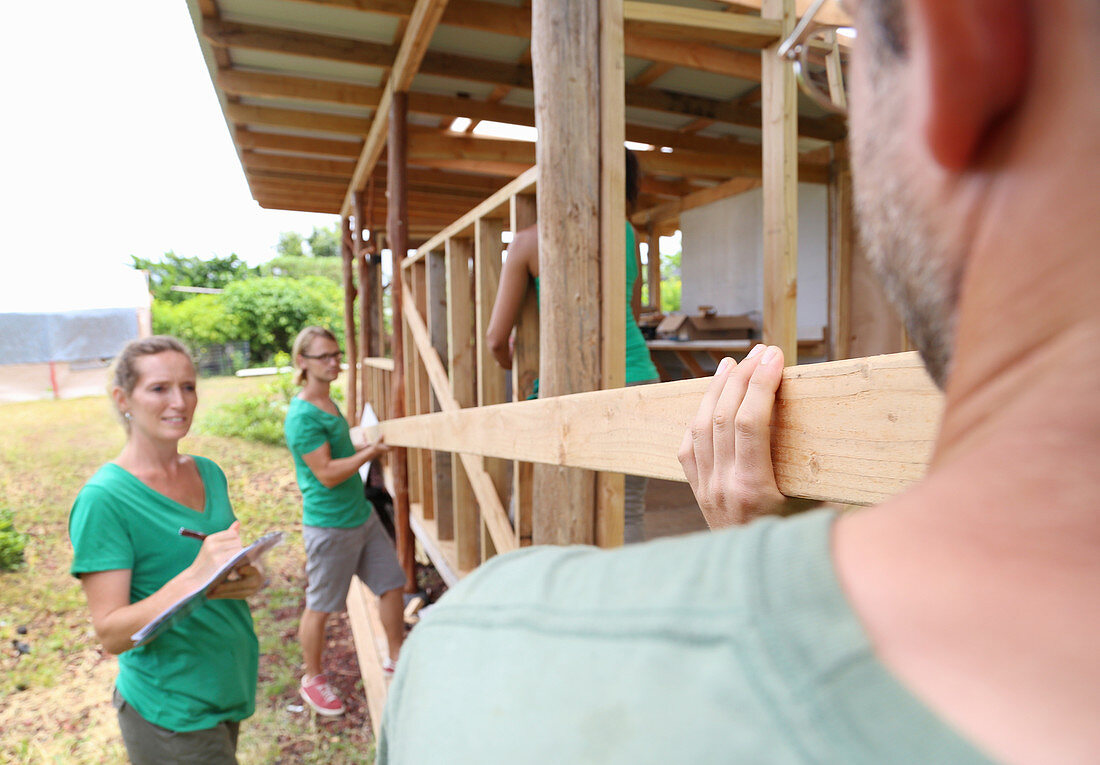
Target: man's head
{"type": "Point", "coordinates": [927, 103]}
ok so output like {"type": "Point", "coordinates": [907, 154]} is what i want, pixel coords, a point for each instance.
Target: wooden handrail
{"type": "Point", "coordinates": [518, 185]}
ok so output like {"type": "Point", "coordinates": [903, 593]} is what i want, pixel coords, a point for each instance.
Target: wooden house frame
{"type": "Point", "coordinates": [342, 106]}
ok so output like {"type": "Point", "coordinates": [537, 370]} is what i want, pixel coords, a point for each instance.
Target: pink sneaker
{"type": "Point", "coordinates": [318, 694]}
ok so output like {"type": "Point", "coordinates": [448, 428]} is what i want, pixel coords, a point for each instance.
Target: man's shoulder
{"type": "Point", "coordinates": [693, 574]}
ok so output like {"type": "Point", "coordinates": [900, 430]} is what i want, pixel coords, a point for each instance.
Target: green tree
{"type": "Point", "coordinates": [269, 312]}
{"type": "Point", "coordinates": [298, 268]}
{"type": "Point", "coordinates": [199, 320]}
{"type": "Point", "coordinates": [670, 282]}
{"type": "Point", "coordinates": [325, 242]}
{"type": "Point", "coordinates": [174, 270]}
{"type": "Point", "coordinates": [290, 245]}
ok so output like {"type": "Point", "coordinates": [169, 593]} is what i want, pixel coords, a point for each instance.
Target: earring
{"type": "Point", "coordinates": [127, 415]}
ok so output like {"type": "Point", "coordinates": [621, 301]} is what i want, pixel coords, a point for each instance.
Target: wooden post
{"type": "Point", "coordinates": [780, 176]}
{"type": "Point", "coordinates": [461, 366]}
{"type": "Point", "coordinates": [378, 321]}
{"type": "Point", "coordinates": [490, 377]}
{"type": "Point", "coordinates": [654, 266]}
{"type": "Point", "coordinates": [525, 369]}
{"type": "Point", "coordinates": [613, 300]}
{"type": "Point", "coordinates": [352, 354]}
{"type": "Point", "coordinates": [576, 51]}
{"type": "Point", "coordinates": [840, 255]}
{"type": "Point", "coordinates": [365, 296]}
{"type": "Point", "coordinates": [437, 328]}
{"type": "Point", "coordinates": [397, 233]}
{"type": "Point", "coordinates": [423, 395]}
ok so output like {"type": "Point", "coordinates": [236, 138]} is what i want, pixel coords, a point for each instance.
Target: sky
{"type": "Point", "coordinates": [114, 144]}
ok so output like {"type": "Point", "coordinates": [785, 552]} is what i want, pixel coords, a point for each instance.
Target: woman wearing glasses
{"type": "Point", "coordinates": [342, 534]}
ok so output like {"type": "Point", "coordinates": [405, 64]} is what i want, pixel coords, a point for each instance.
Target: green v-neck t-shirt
{"type": "Point", "coordinates": [307, 428]}
{"type": "Point", "coordinates": [202, 671]}
{"type": "Point", "coordinates": [638, 366]}
{"type": "Point", "coordinates": [730, 647]}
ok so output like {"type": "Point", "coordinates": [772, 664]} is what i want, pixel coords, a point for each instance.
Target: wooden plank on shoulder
{"type": "Point", "coordinates": [854, 431]}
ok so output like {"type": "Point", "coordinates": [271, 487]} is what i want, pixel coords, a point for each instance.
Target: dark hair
{"type": "Point", "coordinates": [631, 178]}
{"type": "Point", "coordinates": [888, 17]}
{"type": "Point", "coordinates": [124, 374]}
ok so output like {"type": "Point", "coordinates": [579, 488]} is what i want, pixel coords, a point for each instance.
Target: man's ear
{"type": "Point", "coordinates": [974, 57]}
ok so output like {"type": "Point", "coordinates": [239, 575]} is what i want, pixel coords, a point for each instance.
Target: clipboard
{"type": "Point", "coordinates": [188, 603]}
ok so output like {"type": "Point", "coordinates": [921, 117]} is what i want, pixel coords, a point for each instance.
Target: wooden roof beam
{"type": "Point", "coordinates": [279, 86]}
{"type": "Point", "coordinates": [691, 24]}
{"type": "Point", "coordinates": [512, 75]}
{"type": "Point", "coordinates": [672, 210]}
{"type": "Point", "coordinates": [515, 21]}
{"type": "Point", "coordinates": [414, 46]}
{"type": "Point", "coordinates": [830, 13]}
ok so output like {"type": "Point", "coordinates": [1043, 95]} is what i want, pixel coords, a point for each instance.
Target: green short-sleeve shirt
{"type": "Point", "coordinates": [308, 427]}
{"type": "Point", "coordinates": [203, 670]}
{"type": "Point", "coordinates": [729, 647]}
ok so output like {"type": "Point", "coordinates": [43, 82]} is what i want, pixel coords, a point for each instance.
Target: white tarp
{"type": "Point", "coordinates": [76, 316]}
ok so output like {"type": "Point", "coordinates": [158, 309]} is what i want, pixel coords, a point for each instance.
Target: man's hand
{"type": "Point", "coordinates": [726, 452]}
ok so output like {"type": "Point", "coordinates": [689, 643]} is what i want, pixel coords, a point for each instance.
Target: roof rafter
{"type": "Point", "coordinates": [501, 73]}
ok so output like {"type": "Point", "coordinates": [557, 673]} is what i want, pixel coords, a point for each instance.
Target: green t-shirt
{"type": "Point", "coordinates": [203, 670]}
{"type": "Point", "coordinates": [732, 647]}
{"type": "Point", "coordinates": [308, 427]}
{"type": "Point", "coordinates": [638, 365]}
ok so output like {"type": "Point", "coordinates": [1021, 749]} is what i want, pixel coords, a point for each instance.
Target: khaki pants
{"type": "Point", "coordinates": [149, 744]}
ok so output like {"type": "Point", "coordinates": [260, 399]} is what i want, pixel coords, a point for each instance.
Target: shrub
{"type": "Point", "coordinates": [12, 542]}
{"type": "Point", "coordinates": [255, 418]}
{"type": "Point", "coordinates": [260, 417]}
{"type": "Point", "coordinates": [198, 321]}
{"type": "Point", "coordinates": [270, 311]}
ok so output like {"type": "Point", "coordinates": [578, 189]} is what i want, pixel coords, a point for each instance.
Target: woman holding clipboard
{"type": "Point", "coordinates": [181, 697]}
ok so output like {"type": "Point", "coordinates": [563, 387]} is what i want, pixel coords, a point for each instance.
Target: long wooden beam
{"type": "Point", "coordinates": [414, 44]}
{"type": "Point", "coordinates": [736, 29]}
{"type": "Point", "coordinates": [326, 91]}
{"type": "Point", "coordinates": [515, 21]}
{"type": "Point", "coordinates": [449, 65]}
{"type": "Point", "coordinates": [672, 210]}
{"type": "Point", "coordinates": [830, 13]}
{"type": "Point", "coordinates": [492, 204]}
{"type": "Point", "coordinates": [855, 431]}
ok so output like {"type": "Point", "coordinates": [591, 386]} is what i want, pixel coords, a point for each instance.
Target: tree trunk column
{"type": "Point", "coordinates": [398, 236]}
{"type": "Point", "coordinates": [352, 355]}
{"type": "Point", "coordinates": [565, 53]}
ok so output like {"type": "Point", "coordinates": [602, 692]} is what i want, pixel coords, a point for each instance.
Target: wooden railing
{"type": "Point", "coordinates": [376, 375]}
{"type": "Point", "coordinates": [853, 431]}
{"type": "Point", "coordinates": [450, 284]}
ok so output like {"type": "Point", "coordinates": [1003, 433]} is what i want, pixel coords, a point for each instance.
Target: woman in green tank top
{"type": "Point", "coordinates": [521, 265]}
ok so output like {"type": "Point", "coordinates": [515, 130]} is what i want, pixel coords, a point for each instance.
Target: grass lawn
{"type": "Point", "coordinates": [55, 700]}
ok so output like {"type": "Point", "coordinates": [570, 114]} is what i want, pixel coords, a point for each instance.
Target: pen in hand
{"type": "Point", "coordinates": [184, 532]}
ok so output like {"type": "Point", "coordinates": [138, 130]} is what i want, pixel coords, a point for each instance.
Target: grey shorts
{"type": "Point", "coordinates": [334, 555]}
{"type": "Point", "coordinates": [149, 744]}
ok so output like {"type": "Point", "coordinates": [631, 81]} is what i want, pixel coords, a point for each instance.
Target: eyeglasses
{"type": "Point", "coordinates": [334, 356]}
{"type": "Point", "coordinates": [819, 60]}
